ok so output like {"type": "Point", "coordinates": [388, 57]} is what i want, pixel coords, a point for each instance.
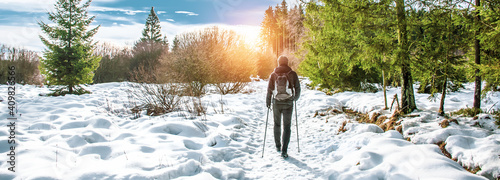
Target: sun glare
{"type": "Point", "coordinates": [249, 33]}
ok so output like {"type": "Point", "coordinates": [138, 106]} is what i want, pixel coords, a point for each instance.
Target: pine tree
{"type": "Point", "coordinates": [477, 59]}
{"type": "Point", "coordinates": [152, 29]}
{"type": "Point", "coordinates": [346, 43]}
{"type": "Point", "coordinates": [268, 32]}
{"type": "Point", "coordinates": [175, 44]}
{"type": "Point", "coordinates": [407, 95]}
{"type": "Point", "coordinates": [281, 16]}
{"type": "Point", "coordinates": [350, 42]}
{"type": "Point", "coordinates": [490, 41]}
{"type": "Point", "coordinates": [295, 26]}
{"type": "Point", "coordinates": [68, 59]}
{"type": "Point", "coordinates": [148, 51]}
{"type": "Point", "coordinates": [439, 54]}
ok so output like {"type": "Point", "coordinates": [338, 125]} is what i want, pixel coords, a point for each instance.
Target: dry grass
{"type": "Point", "coordinates": [378, 119]}
{"type": "Point", "coordinates": [342, 127]}
{"type": "Point", "coordinates": [392, 124]}
{"type": "Point", "coordinates": [445, 123]}
{"type": "Point", "coordinates": [360, 117]}
{"type": "Point", "coordinates": [157, 99]}
{"type": "Point", "coordinates": [445, 152]}
{"type": "Point", "coordinates": [330, 111]}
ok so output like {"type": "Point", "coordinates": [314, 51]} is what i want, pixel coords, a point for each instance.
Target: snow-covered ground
{"type": "Point", "coordinates": [90, 137]}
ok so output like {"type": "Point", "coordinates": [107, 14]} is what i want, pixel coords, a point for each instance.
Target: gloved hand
{"type": "Point", "coordinates": [268, 104]}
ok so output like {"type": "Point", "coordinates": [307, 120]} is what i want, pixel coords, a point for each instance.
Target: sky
{"type": "Point", "coordinates": [122, 21]}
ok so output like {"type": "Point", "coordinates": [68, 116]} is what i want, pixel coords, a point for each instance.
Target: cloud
{"type": "Point", "coordinates": [21, 36]}
{"type": "Point", "coordinates": [110, 9]}
{"type": "Point", "coordinates": [104, 1]}
{"type": "Point", "coordinates": [121, 35]}
{"type": "Point", "coordinates": [37, 6]}
{"type": "Point", "coordinates": [111, 18]}
{"type": "Point", "coordinates": [187, 13]}
{"type": "Point", "coordinates": [161, 12]}
{"type": "Point", "coordinates": [32, 6]}
{"type": "Point", "coordinates": [170, 20]}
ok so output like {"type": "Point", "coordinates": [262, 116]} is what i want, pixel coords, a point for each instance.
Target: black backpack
{"type": "Point", "coordinates": [283, 87]}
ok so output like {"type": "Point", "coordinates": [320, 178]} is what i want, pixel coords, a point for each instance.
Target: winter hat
{"type": "Point", "coordinates": [283, 61]}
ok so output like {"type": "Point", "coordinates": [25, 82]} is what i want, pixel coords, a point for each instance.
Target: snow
{"type": "Point", "coordinates": [93, 137]}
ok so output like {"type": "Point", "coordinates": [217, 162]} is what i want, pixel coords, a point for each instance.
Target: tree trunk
{"type": "Point", "coordinates": [70, 55]}
{"type": "Point", "coordinates": [385, 89]}
{"type": "Point", "coordinates": [407, 95]}
{"type": "Point", "coordinates": [443, 96]}
{"type": "Point", "coordinates": [477, 47]}
{"type": "Point", "coordinates": [277, 46]}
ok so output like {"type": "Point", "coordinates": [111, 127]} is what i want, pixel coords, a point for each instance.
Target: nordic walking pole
{"type": "Point", "coordinates": [265, 133]}
{"type": "Point", "coordinates": [297, 125]}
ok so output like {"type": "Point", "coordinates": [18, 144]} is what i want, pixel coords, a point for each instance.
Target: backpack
{"type": "Point", "coordinates": [283, 87]}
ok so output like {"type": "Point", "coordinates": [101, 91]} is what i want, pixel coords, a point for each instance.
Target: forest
{"type": "Point", "coordinates": [437, 45]}
{"type": "Point", "coordinates": [351, 45]}
{"type": "Point", "coordinates": [194, 106]}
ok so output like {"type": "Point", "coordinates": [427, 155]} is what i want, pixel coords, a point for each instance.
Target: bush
{"type": "Point", "coordinates": [266, 62]}
{"type": "Point", "coordinates": [340, 77]}
{"type": "Point", "coordinates": [26, 63]}
{"type": "Point", "coordinates": [114, 65]}
{"type": "Point", "coordinates": [496, 114]}
{"type": "Point", "coordinates": [157, 99]}
{"type": "Point", "coordinates": [145, 61]}
{"type": "Point", "coordinates": [230, 88]}
{"type": "Point", "coordinates": [468, 112]}
{"type": "Point", "coordinates": [210, 56]}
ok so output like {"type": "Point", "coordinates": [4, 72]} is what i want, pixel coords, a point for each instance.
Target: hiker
{"type": "Point", "coordinates": [283, 89]}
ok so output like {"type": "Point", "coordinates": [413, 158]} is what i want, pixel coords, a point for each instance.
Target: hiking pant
{"type": "Point", "coordinates": [286, 111]}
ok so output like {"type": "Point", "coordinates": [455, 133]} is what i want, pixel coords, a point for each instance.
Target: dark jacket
{"type": "Point", "coordinates": [294, 78]}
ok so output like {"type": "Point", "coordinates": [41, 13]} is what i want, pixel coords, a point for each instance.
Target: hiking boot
{"type": "Point", "coordinates": [278, 149]}
{"type": "Point", "coordinates": [284, 155]}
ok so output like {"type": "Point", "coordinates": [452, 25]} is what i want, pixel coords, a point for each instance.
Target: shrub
{"type": "Point", "coordinates": [114, 65]}
{"type": "Point", "coordinates": [145, 62]}
{"type": "Point", "coordinates": [157, 99]}
{"type": "Point", "coordinates": [266, 62]}
{"type": "Point", "coordinates": [26, 63]}
{"type": "Point", "coordinates": [468, 112]}
{"type": "Point", "coordinates": [496, 114]}
{"type": "Point", "coordinates": [210, 56]}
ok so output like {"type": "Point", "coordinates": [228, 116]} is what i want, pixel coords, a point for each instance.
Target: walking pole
{"type": "Point", "coordinates": [297, 125]}
{"type": "Point", "coordinates": [265, 133]}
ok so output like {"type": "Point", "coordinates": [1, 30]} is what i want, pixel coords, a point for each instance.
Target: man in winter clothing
{"type": "Point", "coordinates": [282, 106]}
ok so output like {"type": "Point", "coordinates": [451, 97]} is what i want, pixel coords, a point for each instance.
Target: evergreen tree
{"type": "Point", "coordinates": [268, 30]}
{"type": "Point", "coordinates": [148, 51]}
{"type": "Point", "coordinates": [403, 58]}
{"type": "Point", "coordinates": [490, 41]}
{"type": "Point", "coordinates": [295, 26]}
{"type": "Point", "coordinates": [267, 59]}
{"type": "Point", "coordinates": [68, 59]}
{"type": "Point", "coordinates": [281, 16]}
{"type": "Point", "coordinates": [350, 42]}
{"type": "Point", "coordinates": [152, 29]}
{"type": "Point", "coordinates": [175, 44]}
{"type": "Point", "coordinates": [439, 54]}
{"type": "Point", "coordinates": [346, 43]}
{"type": "Point", "coordinates": [477, 58]}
